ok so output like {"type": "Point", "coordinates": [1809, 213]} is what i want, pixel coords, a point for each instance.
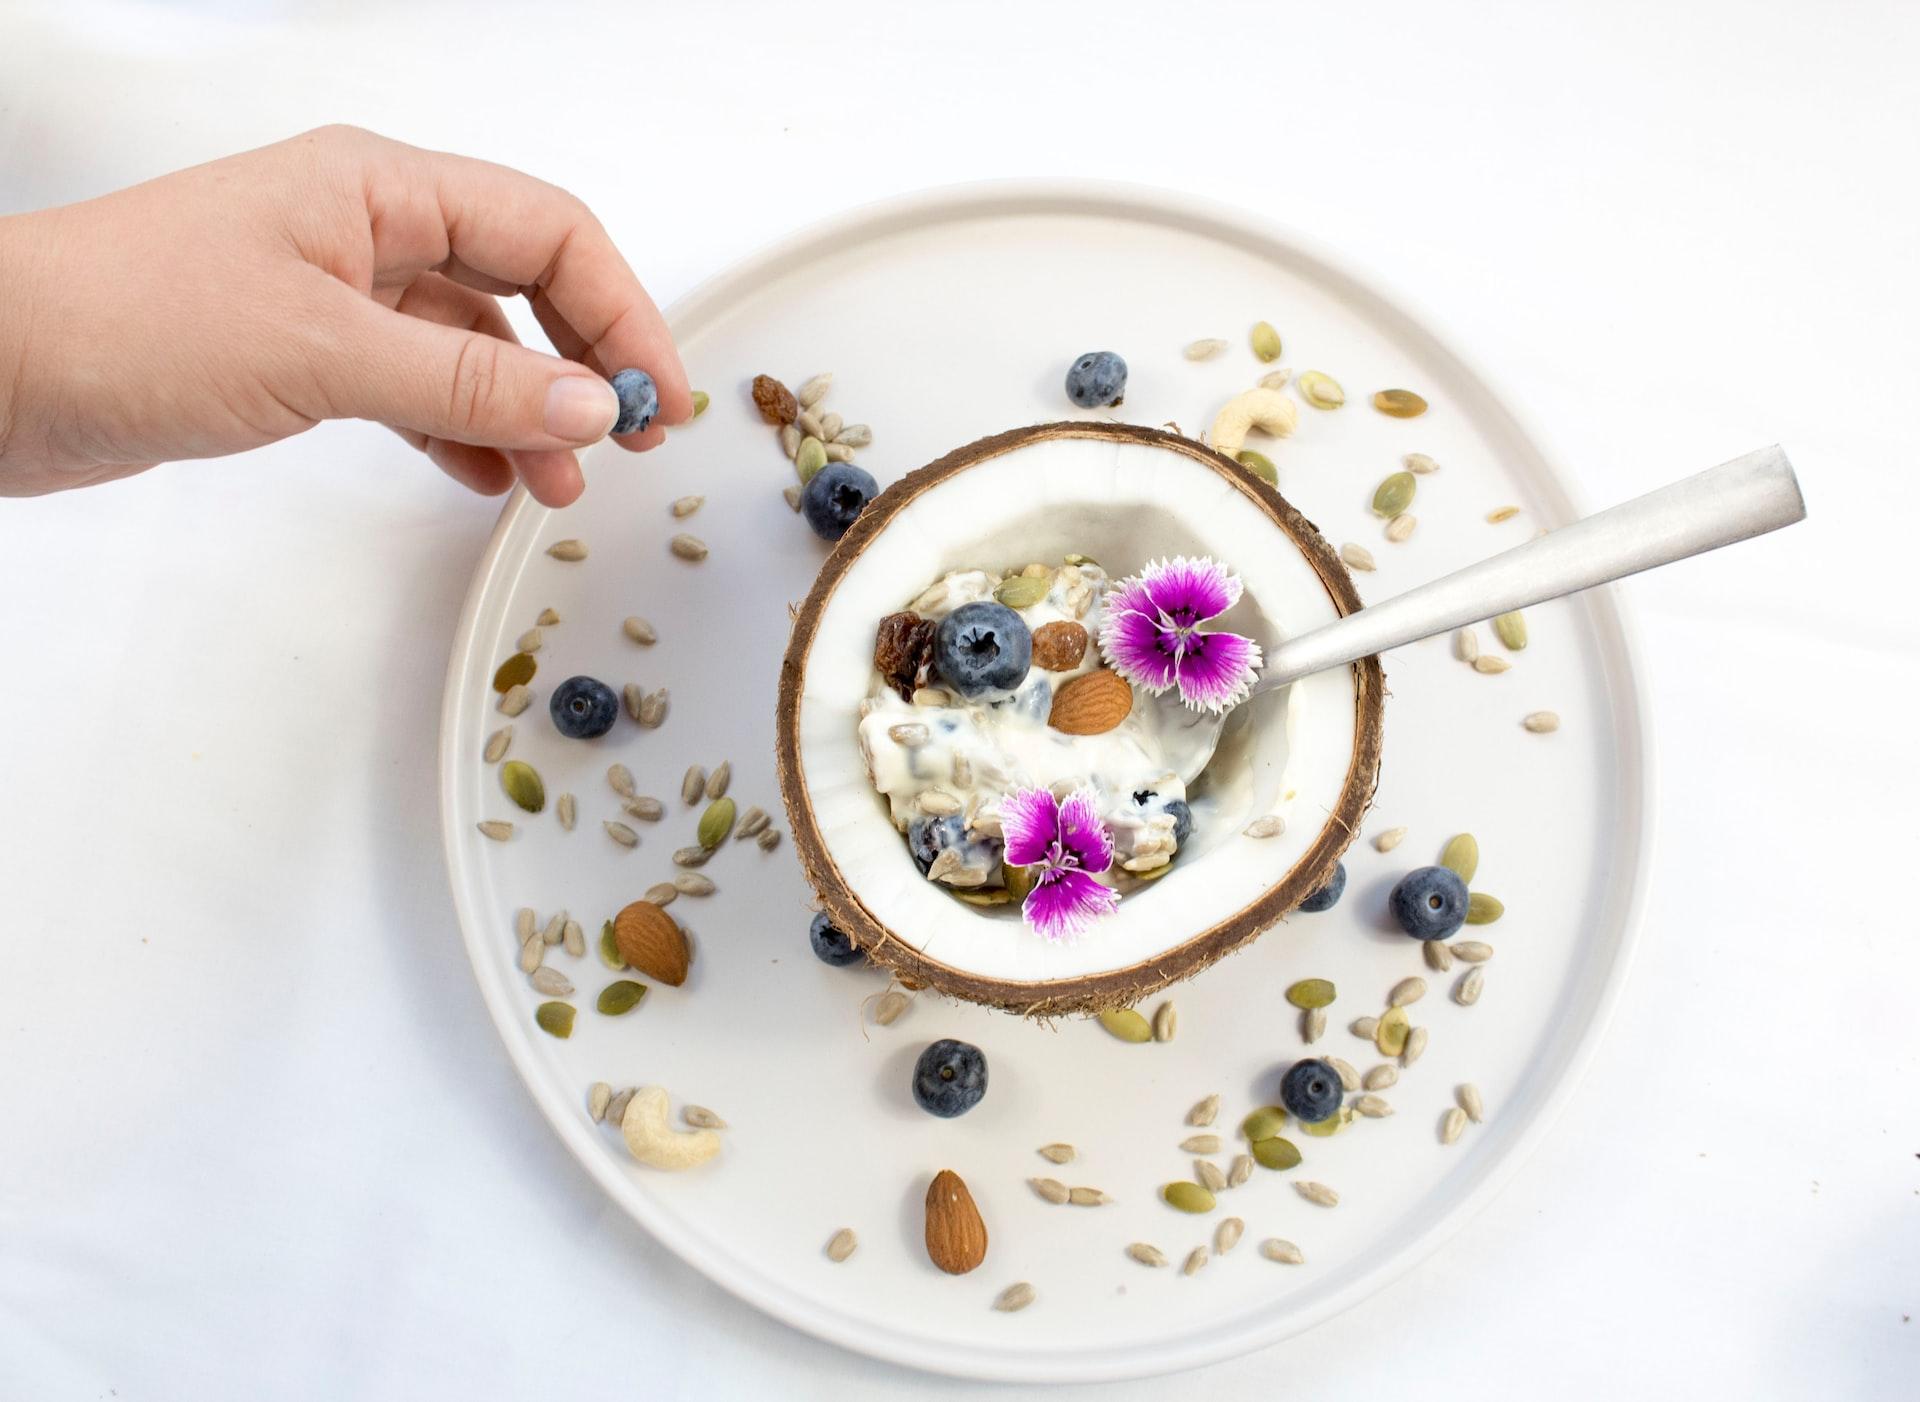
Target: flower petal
{"type": "Point", "coordinates": [1030, 822]}
{"type": "Point", "coordinates": [1216, 670]}
{"type": "Point", "coordinates": [1063, 903]}
{"type": "Point", "coordinates": [1083, 834]}
{"type": "Point", "coordinates": [1189, 591]}
{"type": "Point", "coordinates": [1137, 647]}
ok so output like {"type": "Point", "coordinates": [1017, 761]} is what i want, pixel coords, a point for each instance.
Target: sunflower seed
{"type": "Point", "coordinates": [661, 893]}
{"type": "Point", "coordinates": [1147, 1255]}
{"type": "Point", "coordinates": [1057, 1153]}
{"type": "Point", "coordinates": [640, 631]}
{"type": "Point", "coordinates": [493, 828]}
{"type": "Point", "coordinates": [1240, 1170]}
{"type": "Point", "coordinates": [691, 856]}
{"type": "Point", "coordinates": [1472, 951]}
{"type": "Point", "coordinates": [1415, 1048]}
{"type": "Point", "coordinates": [1014, 1298]}
{"type": "Point", "coordinates": [1467, 992]}
{"type": "Point", "coordinates": [1278, 1249]}
{"type": "Point", "coordinates": [1492, 666]}
{"type": "Point", "coordinates": [515, 699]}
{"type": "Point", "coordinates": [792, 494]}
{"type": "Point", "coordinates": [693, 785]}
{"type": "Point", "coordinates": [911, 734]}
{"type": "Point", "coordinates": [1357, 556]}
{"type": "Point", "coordinates": [1502, 513]}
{"type": "Point", "coordinates": [1166, 1021]}
{"type": "Point", "coordinates": [645, 807]}
{"type": "Point", "coordinates": [528, 641]}
{"type": "Point", "coordinates": [1388, 840]}
{"type": "Point", "coordinates": [1364, 1027]}
{"type": "Point", "coordinates": [700, 1117]}
{"type": "Point", "coordinates": [1203, 1112]}
{"type": "Point", "coordinates": [1270, 826]}
{"type": "Point", "coordinates": [653, 709]}
{"type": "Point", "coordinates": [1087, 1197]}
{"type": "Point", "coordinates": [622, 834]}
{"type": "Point", "coordinates": [1542, 722]}
{"type": "Point", "coordinates": [1276, 379]}
{"type": "Point", "coordinates": [1210, 1176]}
{"type": "Point", "coordinates": [1466, 645]}
{"type": "Point", "coordinates": [617, 1107]}
{"type": "Point", "coordinates": [525, 923]}
{"type": "Point", "coordinates": [632, 696]}
{"type": "Point", "coordinates": [573, 939]}
{"type": "Point", "coordinates": [551, 982]}
{"type": "Point", "coordinates": [814, 390]}
{"type": "Point", "coordinates": [936, 803]}
{"type": "Point", "coordinates": [855, 436]}
{"type": "Point", "coordinates": [1372, 1106]}
{"type": "Point", "coordinates": [688, 547]}
{"type": "Point", "coordinates": [718, 781]}
{"type": "Point", "coordinates": [1200, 1144]}
{"type": "Point", "coordinates": [1196, 1258]}
{"type": "Point", "coordinates": [751, 822]}
{"type": "Point", "coordinates": [1380, 1077]}
{"type": "Point", "coordinates": [533, 952]}
{"type": "Point", "coordinates": [620, 780]}
{"type": "Point", "coordinates": [1204, 349]}
{"type": "Point", "coordinates": [1313, 1025]}
{"type": "Point", "coordinates": [888, 1007]}
{"type": "Point", "coordinates": [692, 883]}
{"type": "Point", "coordinates": [547, 618]}
{"type": "Point", "coordinates": [1420, 463]}
{"type": "Point", "coordinates": [497, 743]}
{"type": "Point", "coordinates": [571, 551]}
{"type": "Point", "coordinates": [930, 696]}
{"type": "Point", "coordinates": [1318, 1193]}
{"type": "Point", "coordinates": [1401, 526]}
{"type": "Point", "coordinates": [1468, 1095]}
{"type": "Point", "coordinates": [830, 426]}
{"type": "Point", "coordinates": [1408, 990]}
{"type": "Point", "coordinates": [1349, 1078]}
{"type": "Point", "coordinates": [1226, 1236]}
{"type": "Point", "coordinates": [556, 929]}
{"type": "Point", "coordinates": [1451, 1124]}
{"type": "Point", "coordinates": [686, 506]}
{"type": "Point", "coordinates": [838, 452]}
{"type": "Point", "coordinates": [1439, 958]}
{"type": "Point", "coordinates": [599, 1094]}
{"type": "Point", "coordinates": [790, 440]}
{"type": "Point", "coordinates": [841, 1245]}
{"type": "Point", "coordinates": [769, 839]}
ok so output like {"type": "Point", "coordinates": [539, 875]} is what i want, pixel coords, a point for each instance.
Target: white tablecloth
{"type": "Point", "coordinates": [256, 1136]}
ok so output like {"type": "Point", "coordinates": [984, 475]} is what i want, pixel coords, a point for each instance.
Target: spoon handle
{"type": "Point", "coordinates": [1735, 501]}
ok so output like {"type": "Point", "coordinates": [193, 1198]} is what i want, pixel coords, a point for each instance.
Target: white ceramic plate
{"type": "Point", "coordinates": [945, 316]}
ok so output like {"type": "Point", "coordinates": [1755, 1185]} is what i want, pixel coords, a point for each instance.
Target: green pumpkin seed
{"type": "Point", "coordinates": [700, 402]}
{"type": "Point", "coordinates": [1263, 1123]}
{"type": "Point", "coordinates": [1461, 856]}
{"type": "Point", "coordinates": [810, 459]}
{"type": "Point", "coordinates": [1483, 909]}
{"type": "Point", "coordinates": [1400, 403]}
{"type": "Point", "coordinates": [1311, 993]}
{"type": "Point", "coordinates": [621, 996]}
{"type": "Point", "coordinates": [517, 670]}
{"type": "Point", "coordinates": [1082, 560]}
{"type": "Point", "coordinates": [1127, 1025]}
{"type": "Point", "coordinates": [994, 896]}
{"type": "Point", "coordinates": [523, 786]}
{"type": "Point", "coordinates": [1154, 874]}
{"type": "Point", "coordinates": [1019, 882]}
{"type": "Point", "coordinates": [1260, 465]}
{"type": "Point", "coordinates": [610, 948]}
{"type": "Point", "coordinates": [1331, 1125]}
{"type": "Point", "coordinates": [1321, 391]}
{"type": "Point", "coordinates": [555, 1019]}
{"type": "Point", "coordinates": [1022, 591]}
{"type": "Point", "coordinates": [1275, 1153]}
{"type": "Point", "coordinates": [1390, 1033]}
{"type": "Point", "coordinates": [1188, 1197]}
{"type": "Point", "coordinates": [716, 823]}
{"type": "Point", "coordinates": [1394, 495]}
{"type": "Point", "coordinates": [1511, 629]}
{"type": "Point", "coordinates": [1266, 341]}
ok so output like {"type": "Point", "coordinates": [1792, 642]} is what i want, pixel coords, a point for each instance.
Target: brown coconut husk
{"type": "Point", "coordinates": [1116, 987]}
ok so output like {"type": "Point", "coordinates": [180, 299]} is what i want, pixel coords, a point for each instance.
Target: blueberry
{"type": "Point", "coordinates": [1182, 820]}
{"type": "Point", "coordinates": [1311, 1091]}
{"type": "Point", "coordinates": [832, 947]}
{"type": "Point", "coordinates": [982, 647]}
{"type": "Point", "coordinates": [1097, 379]}
{"type": "Point", "coordinates": [835, 495]}
{"type": "Point", "coordinates": [583, 708]}
{"type": "Point", "coordinates": [639, 400]}
{"type": "Point", "coordinates": [1328, 896]}
{"type": "Point", "coordinates": [927, 837]}
{"type": "Point", "coordinates": [950, 1077]}
{"type": "Point", "coordinates": [1429, 904]}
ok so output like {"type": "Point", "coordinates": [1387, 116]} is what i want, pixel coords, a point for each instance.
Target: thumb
{"type": "Point", "coordinates": [461, 385]}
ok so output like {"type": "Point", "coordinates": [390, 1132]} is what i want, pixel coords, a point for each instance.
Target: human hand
{"type": "Point", "coordinates": [335, 275]}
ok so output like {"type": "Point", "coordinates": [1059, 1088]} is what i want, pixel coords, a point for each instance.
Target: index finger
{"type": "Point", "coordinates": [497, 229]}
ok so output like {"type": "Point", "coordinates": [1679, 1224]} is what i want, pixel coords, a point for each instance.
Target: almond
{"type": "Point", "coordinates": [652, 941]}
{"type": "Point", "coordinates": [1091, 705]}
{"type": "Point", "coordinates": [1059, 646]}
{"type": "Point", "coordinates": [956, 1237]}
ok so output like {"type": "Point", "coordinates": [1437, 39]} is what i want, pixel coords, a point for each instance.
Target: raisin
{"type": "Point", "coordinates": [903, 652]}
{"type": "Point", "coordinates": [774, 400]}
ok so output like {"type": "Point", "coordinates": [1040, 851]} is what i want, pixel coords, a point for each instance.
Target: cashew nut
{"type": "Point", "coordinates": [1264, 409]}
{"type": "Point", "coordinates": [656, 1143]}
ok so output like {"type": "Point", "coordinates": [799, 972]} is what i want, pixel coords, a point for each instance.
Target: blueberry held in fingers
{"type": "Point", "coordinates": [639, 400]}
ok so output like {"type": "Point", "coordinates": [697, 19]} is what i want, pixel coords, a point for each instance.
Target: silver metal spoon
{"type": "Point", "coordinates": [1735, 501]}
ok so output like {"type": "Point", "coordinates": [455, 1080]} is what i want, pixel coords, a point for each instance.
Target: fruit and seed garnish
{"type": "Point", "coordinates": [1026, 728]}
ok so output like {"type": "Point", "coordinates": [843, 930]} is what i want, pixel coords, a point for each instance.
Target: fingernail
{"type": "Point", "coordinates": [580, 409]}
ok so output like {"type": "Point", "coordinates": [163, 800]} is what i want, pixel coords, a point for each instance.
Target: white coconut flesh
{"type": "Point", "coordinates": [1123, 504]}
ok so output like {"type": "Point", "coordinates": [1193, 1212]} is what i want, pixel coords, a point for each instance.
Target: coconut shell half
{"type": "Point", "coordinates": [1122, 495]}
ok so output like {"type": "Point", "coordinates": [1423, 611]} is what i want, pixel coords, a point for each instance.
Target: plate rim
{"type": "Point", "coordinates": [1625, 672]}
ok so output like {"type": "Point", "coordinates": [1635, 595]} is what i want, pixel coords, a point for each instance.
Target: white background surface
{"type": "Point", "coordinates": [256, 1135]}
